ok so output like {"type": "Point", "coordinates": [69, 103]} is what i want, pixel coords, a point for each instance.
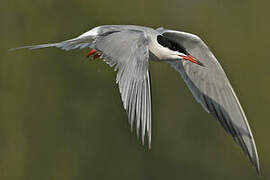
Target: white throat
{"type": "Point", "coordinates": [162, 53]}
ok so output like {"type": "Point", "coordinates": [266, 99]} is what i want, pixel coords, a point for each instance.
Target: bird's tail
{"type": "Point", "coordinates": [64, 45]}
{"type": "Point", "coordinates": [35, 46]}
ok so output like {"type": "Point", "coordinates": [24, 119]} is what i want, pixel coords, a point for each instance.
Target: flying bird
{"type": "Point", "coordinates": [128, 49]}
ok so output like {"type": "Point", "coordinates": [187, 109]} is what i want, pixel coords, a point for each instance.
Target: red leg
{"type": "Point", "coordinates": [91, 52]}
{"type": "Point", "coordinates": [97, 55]}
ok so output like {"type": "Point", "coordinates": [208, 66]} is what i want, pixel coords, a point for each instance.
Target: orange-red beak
{"type": "Point", "coordinates": [191, 59]}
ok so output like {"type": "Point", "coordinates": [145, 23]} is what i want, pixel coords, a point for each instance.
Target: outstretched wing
{"type": "Point", "coordinates": [212, 89]}
{"type": "Point", "coordinates": [128, 52]}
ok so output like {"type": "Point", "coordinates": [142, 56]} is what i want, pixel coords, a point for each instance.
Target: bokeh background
{"type": "Point", "coordinates": [61, 116]}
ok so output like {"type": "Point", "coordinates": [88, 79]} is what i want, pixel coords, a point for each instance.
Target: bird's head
{"type": "Point", "coordinates": [177, 51]}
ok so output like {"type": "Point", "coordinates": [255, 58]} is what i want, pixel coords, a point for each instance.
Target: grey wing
{"type": "Point", "coordinates": [128, 52]}
{"type": "Point", "coordinates": [212, 89]}
{"type": "Point", "coordinates": [86, 40]}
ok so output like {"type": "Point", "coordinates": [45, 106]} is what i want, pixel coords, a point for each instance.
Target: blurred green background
{"type": "Point", "coordinates": [61, 116]}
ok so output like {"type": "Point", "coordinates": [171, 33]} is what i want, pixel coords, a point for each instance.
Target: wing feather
{"type": "Point", "coordinates": [128, 51]}
{"type": "Point", "coordinates": [212, 89]}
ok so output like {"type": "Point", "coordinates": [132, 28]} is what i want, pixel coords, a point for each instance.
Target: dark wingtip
{"type": "Point", "coordinates": [259, 171]}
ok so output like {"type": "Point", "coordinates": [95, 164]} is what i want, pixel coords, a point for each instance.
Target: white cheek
{"type": "Point", "coordinates": [161, 52]}
{"type": "Point", "coordinates": [175, 56]}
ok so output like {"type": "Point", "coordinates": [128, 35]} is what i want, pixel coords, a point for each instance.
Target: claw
{"type": "Point", "coordinates": [97, 56]}
{"type": "Point", "coordinates": [91, 52]}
